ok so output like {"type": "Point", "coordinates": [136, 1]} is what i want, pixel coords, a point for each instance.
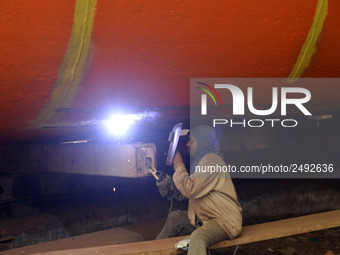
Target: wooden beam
{"type": "Point", "coordinates": [250, 234]}
{"type": "Point", "coordinates": [131, 233]}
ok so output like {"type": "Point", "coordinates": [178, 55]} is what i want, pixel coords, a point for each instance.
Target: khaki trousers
{"type": "Point", "coordinates": [178, 223]}
{"type": "Point", "coordinates": [200, 239]}
{"type": "Point", "coordinates": [203, 237]}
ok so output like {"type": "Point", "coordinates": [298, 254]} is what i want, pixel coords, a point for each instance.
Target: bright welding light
{"type": "Point", "coordinates": [119, 124]}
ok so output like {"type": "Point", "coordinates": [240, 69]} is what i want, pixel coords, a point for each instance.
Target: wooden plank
{"type": "Point", "coordinates": [254, 233]}
{"type": "Point", "coordinates": [130, 233]}
{"type": "Point", "coordinates": [6, 239]}
{"type": "Point", "coordinates": [282, 228]}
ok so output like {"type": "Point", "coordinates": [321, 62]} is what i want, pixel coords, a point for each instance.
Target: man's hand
{"type": "Point", "coordinates": [177, 158]}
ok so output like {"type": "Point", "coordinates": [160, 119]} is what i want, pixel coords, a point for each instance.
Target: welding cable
{"type": "Point", "coordinates": [172, 194]}
{"type": "Point", "coordinates": [170, 209]}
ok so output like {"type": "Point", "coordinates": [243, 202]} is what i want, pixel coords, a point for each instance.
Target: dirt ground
{"type": "Point", "coordinates": [325, 242]}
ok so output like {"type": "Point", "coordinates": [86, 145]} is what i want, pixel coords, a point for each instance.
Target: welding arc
{"type": "Point", "coordinates": [212, 88]}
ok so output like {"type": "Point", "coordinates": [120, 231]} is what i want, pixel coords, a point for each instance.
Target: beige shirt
{"type": "Point", "coordinates": [211, 194]}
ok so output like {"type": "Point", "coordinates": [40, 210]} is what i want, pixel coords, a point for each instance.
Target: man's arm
{"type": "Point", "coordinates": [195, 186]}
{"type": "Point", "coordinates": [167, 188]}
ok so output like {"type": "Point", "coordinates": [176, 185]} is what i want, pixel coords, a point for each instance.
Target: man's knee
{"type": "Point", "coordinates": [176, 213]}
{"type": "Point", "coordinates": [175, 217]}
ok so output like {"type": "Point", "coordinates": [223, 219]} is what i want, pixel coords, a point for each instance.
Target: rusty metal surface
{"type": "Point", "coordinates": [123, 160]}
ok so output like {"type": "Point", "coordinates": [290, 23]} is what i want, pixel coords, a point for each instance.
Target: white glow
{"type": "Point", "coordinates": [119, 124]}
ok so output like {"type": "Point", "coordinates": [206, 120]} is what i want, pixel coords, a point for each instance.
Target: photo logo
{"type": "Point", "coordinates": [204, 97]}
{"type": "Point", "coordinates": [239, 102]}
{"type": "Point", "coordinates": [238, 99]}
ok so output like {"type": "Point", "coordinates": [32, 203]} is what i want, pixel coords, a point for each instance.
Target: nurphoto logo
{"type": "Point", "coordinates": [238, 104]}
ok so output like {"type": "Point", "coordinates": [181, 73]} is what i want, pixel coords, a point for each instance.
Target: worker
{"type": "Point", "coordinates": [214, 213]}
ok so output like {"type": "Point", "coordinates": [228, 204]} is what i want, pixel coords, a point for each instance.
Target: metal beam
{"type": "Point", "coordinates": [105, 159]}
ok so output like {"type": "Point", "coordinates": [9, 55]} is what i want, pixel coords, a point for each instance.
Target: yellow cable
{"type": "Point", "coordinates": [73, 67]}
{"type": "Point", "coordinates": [309, 46]}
